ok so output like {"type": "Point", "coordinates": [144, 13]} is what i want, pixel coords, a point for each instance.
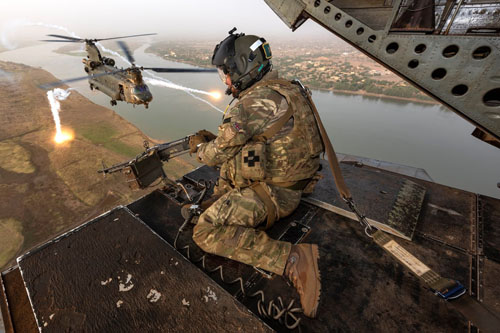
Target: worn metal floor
{"type": "Point", "coordinates": [363, 289]}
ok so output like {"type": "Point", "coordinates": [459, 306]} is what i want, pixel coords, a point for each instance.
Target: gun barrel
{"type": "Point", "coordinates": [165, 151]}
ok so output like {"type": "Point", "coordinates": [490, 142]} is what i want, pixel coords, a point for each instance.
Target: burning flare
{"type": "Point", "coordinates": [216, 94]}
{"type": "Point", "coordinates": [54, 97]}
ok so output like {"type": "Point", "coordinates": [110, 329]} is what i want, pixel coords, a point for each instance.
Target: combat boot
{"type": "Point", "coordinates": [302, 270]}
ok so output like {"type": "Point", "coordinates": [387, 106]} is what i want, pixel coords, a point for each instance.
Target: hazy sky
{"type": "Point", "coordinates": [190, 19]}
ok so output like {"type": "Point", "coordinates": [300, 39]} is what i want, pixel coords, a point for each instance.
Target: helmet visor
{"type": "Point", "coordinates": [222, 75]}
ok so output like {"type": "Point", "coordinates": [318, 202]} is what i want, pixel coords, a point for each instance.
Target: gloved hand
{"type": "Point", "coordinates": [200, 137]}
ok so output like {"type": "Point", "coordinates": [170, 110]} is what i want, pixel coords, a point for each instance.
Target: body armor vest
{"type": "Point", "coordinates": [280, 158]}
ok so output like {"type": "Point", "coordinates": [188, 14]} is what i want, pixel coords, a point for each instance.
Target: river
{"type": "Point", "coordinates": [420, 135]}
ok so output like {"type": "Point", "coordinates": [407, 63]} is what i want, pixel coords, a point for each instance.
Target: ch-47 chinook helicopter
{"type": "Point", "coordinates": [125, 84]}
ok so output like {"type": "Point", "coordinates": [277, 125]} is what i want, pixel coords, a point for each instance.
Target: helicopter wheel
{"type": "Point", "coordinates": [146, 105]}
{"type": "Point", "coordinates": [91, 87]}
{"type": "Point", "coordinates": [113, 103]}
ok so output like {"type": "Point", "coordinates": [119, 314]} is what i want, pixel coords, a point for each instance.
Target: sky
{"type": "Point", "coordinates": [177, 20]}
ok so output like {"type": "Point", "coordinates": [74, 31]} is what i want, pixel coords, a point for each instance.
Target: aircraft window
{"type": "Point", "coordinates": [360, 31]}
{"type": "Point", "coordinates": [338, 17]}
{"type": "Point", "coordinates": [459, 90]}
{"type": "Point", "coordinates": [438, 74]}
{"type": "Point", "coordinates": [450, 51]}
{"type": "Point", "coordinates": [420, 48]}
{"type": "Point", "coordinates": [317, 3]}
{"type": "Point", "coordinates": [413, 63]}
{"type": "Point", "coordinates": [481, 52]}
{"type": "Point", "coordinates": [492, 97]}
{"type": "Point", "coordinates": [372, 38]}
{"type": "Point", "coordinates": [327, 9]}
{"type": "Point", "coordinates": [140, 88]}
{"type": "Point", "coordinates": [348, 24]}
{"type": "Point", "coordinates": [392, 48]}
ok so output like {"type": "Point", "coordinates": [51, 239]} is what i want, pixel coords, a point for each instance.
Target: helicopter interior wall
{"type": "Point", "coordinates": [373, 13]}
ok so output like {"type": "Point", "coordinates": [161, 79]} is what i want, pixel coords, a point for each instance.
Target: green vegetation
{"type": "Point", "coordinates": [104, 135]}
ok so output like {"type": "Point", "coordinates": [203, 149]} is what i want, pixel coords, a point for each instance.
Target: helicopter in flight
{"type": "Point", "coordinates": [121, 84]}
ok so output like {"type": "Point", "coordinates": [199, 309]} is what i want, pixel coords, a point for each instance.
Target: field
{"type": "Point", "coordinates": [45, 188]}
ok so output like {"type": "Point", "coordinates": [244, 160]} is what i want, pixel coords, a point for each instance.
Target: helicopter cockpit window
{"type": "Point", "coordinates": [140, 89]}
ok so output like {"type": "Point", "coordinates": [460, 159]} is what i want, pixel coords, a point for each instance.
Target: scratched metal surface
{"type": "Point", "coordinates": [363, 289]}
{"type": "Point", "coordinates": [114, 274]}
{"type": "Point", "coordinates": [362, 286]}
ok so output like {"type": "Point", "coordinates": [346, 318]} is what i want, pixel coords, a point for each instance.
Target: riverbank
{"type": "Point", "coordinates": [336, 91]}
{"type": "Point", "coordinates": [368, 94]}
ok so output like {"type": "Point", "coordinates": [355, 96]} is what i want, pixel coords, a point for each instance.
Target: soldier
{"type": "Point", "coordinates": [268, 148]}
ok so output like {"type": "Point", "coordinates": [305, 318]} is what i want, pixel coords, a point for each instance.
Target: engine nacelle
{"type": "Point", "coordinates": [108, 61]}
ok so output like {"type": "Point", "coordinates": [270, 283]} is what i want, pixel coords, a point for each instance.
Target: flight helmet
{"type": "Point", "coordinates": [246, 59]}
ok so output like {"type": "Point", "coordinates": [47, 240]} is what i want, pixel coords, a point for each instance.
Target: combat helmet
{"type": "Point", "coordinates": [246, 59]}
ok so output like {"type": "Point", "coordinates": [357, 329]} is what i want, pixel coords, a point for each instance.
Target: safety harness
{"type": "Point", "coordinates": [448, 289]}
{"type": "Point", "coordinates": [260, 187]}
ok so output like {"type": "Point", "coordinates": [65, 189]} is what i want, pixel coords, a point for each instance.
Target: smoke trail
{"type": "Point", "coordinates": [54, 97]}
{"type": "Point", "coordinates": [159, 81]}
{"type": "Point", "coordinates": [13, 25]}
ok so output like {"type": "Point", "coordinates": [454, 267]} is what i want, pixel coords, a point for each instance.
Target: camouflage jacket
{"type": "Point", "coordinates": [292, 154]}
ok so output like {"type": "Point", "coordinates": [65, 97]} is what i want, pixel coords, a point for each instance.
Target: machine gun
{"type": "Point", "coordinates": [144, 169]}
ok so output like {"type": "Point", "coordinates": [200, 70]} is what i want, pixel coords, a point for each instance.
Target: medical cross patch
{"type": "Point", "coordinates": [251, 159]}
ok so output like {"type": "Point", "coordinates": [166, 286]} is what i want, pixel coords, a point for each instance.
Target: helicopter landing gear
{"type": "Point", "coordinates": [146, 105]}
{"type": "Point", "coordinates": [91, 86]}
{"type": "Point", "coordinates": [113, 102]}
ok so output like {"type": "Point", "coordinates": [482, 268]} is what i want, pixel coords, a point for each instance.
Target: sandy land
{"type": "Point", "coordinates": [48, 188]}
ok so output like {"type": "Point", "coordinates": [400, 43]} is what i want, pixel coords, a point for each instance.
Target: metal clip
{"type": "Point", "coordinates": [451, 293]}
{"type": "Point", "coordinates": [361, 218]}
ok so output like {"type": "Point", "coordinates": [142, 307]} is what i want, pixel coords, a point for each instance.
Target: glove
{"type": "Point", "coordinates": [200, 137]}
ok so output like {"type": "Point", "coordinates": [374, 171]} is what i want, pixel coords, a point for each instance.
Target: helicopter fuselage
{"type": "Point", "coordinates": [126, 86]}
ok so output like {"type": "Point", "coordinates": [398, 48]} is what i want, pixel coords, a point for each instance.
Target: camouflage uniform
{"type": "Point", "coordinates": [227, 228]}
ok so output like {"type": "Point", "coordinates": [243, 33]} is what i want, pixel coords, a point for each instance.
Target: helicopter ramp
{"type": "Point", "coordinates": [457, 234]}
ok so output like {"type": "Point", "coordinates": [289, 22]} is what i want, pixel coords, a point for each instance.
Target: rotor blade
{"type": "Point", "coordinates": [124, 37]}
{"type": "Point", "coordinates": [48, 86]}
{"type": "Point", "coordinates": [67, 37]}
{"type": "Point", "coordinates": [126, 50]}
{"type": "Point", "coordinates": [59, 41]}
{"type": "Point", "coordinates": [181, 70]}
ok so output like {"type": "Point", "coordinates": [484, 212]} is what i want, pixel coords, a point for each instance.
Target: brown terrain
{"type": "Point", "coordinates": [46, 188]}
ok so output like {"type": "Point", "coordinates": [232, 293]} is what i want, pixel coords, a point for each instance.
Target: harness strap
{"type": "Point", "coordinates": [264, 195]}
{"type": "Point", "coordinates": [291, 100]}
{"type": "Point", "coordinates": [448, 289]}
{"type": "Point", "coordinates": [330, 152]}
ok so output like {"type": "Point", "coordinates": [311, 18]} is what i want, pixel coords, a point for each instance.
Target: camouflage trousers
{"type": "Point", "coordinates": [228, 228]}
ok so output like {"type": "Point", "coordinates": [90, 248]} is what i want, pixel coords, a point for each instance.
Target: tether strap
{"type": "Point", "coordinates": [264, 195]}
{"type": "Point", "coordinates": [474, 311]}
{"type": "Point", "coordinates": [484, 318]}
{"type": "Point", "coordinates": [330, 152]}
{"type": "Point", "coordinates": [274, 128]}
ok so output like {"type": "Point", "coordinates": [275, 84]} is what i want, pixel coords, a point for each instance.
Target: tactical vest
{"type": "Point", "coordinates": [281, 160]}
